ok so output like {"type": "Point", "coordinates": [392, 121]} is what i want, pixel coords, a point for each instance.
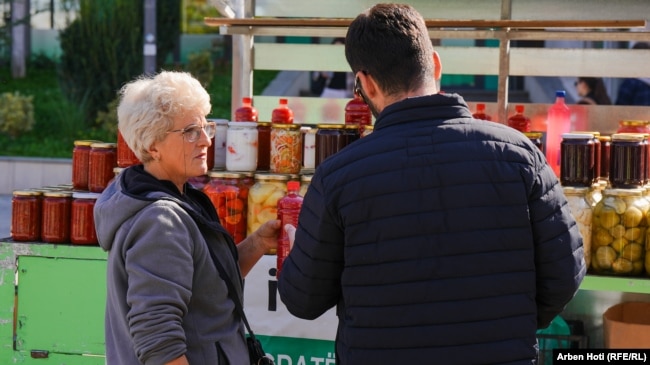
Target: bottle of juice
{"type": "Point", "coordinates": [480, 112]}
{"type": "Point", "coordinates": [558, 123]}
{"type": "Point", "coordinates": [246, 112]}
{"type": "Point", "coordinates": [357, 112]}
{"type": "Point", "coordinates": [288, 211]}
{"type": "Point", "coordinates": [519, 121]}
{"type": "Point", "coordinates": [282, 114]}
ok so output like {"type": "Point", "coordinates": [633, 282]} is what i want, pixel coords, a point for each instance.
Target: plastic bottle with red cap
{"type": "Point", "coordinates": [518, 120]}
{"type": "Point", "coordinates": [480, 112]}
{"type": "Point", "coordinates": [282, 113]}
{"type": "Point", "coordinates": [288, 212]}
{"type": "Point", "coordinates": [246, 112]}
{"type": "Point", "coordinates": [358, 112]}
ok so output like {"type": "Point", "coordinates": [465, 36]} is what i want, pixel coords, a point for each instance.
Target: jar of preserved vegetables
{"type": "Point", "coordinates": [56, 210]}
{"type": "Point", "coordinates": [309, 147]}
{"type": "Point", "coordinates": [229, 195]}
{"type": "Point", "coordinates": [286, 148]}
{"type": "Point", "coordinates": [618, 236]}
{"type": "Point", "coordinates": [305, 180]}
{"type": "Point", "coordinates": [263, 199]}
{"type": "Point", "coordinates": [241, 144]}
{"type": "Point", "coordinates": [26, 213]}
{"type": "Point", "coordinates": [627, 160]}
{"type": "Point", "coordinates": [605, 151]}
{"type": "Point", "coordinates": [581, 207]}
{"type": "Point", "coordinates": [101, 162]}
{"type": "Point", "coordinates": [577, 166]}
{"type": "Point", "coordinates": [82, 228]}
{"type": "Point", "coordinates": [536, 138]}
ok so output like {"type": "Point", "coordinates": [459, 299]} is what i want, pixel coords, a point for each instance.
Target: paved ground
{"type": "Point", "coordinates": [5, 215]}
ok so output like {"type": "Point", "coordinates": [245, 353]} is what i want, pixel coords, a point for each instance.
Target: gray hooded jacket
{"type": "Point", "coordinates": [164, 294]}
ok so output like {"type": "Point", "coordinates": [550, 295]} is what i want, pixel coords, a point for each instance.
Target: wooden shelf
{"type": "Point", "coordinates": [616, 284]}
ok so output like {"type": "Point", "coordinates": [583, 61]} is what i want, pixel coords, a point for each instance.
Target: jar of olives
{"type": "Point", "coordinates": [581, 207]}
{"type": "Point", "coordinates": [619, 228]}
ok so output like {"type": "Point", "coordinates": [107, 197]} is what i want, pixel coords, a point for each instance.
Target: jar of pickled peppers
{"type": "Point", "coordinates": [228, 192]}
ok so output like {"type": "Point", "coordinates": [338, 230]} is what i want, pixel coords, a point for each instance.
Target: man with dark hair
{"type": "Point", "coordinates": [635, 91]}
{"type": "Point", "coordinates": [441, 239]}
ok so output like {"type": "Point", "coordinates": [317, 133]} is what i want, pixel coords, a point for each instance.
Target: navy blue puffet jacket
{"type": "Point", "coordinates": [440, 238]}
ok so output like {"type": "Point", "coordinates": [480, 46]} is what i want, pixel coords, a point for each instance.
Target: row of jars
{"type": "Point", "coordinates": [245, 200]}
{"type": "Point", "coordinates": [278, 147]}
{"type": "Point", "coordinates": [53, 215]}
{"type": "Point", "coordinates": [614, 227]}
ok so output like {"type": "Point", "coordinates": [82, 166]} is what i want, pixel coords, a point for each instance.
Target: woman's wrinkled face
{"type": "Point", "coordinates": [182, 154]}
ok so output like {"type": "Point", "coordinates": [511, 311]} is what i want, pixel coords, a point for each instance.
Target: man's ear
{"type": "Point", "coordinates": [437, 70]}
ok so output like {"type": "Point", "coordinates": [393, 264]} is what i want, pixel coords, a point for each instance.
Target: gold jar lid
{"type": "Point", "coordinates": [58, 194]}
{"type": "Point", "coordinates": [623, 192]}
{"type": "Point", "coordinates": [351, 126]}
{"type": "Point", "coordinates": [292, 127]}
{"type": "Point", "coordinates": [630, 137]}
{"type": "Point", "coordinates": [264, 124]}
{"type": "Point", "coordinates": [34, 193]}
{"type": "Point", "coordinates": [371, 127]}
{"type": "Point", "coordinates": [634, 123]}
{"type": "Point", "coordinates": [329, 126]}
{"type": "Point", "coordinates": [533, 135]}
{"type": "Point", "coordinates": [85, 142]}
{"type": "Point", "coordinates": [575, 190]}
{"type": "Point", "coordinates": [103, 145]}
{"type": "Point", "coordinates": [605, 138]}
{"type": "Point", "coordinates": [225, 175]}
{"type": "Point", "coordinates": [272, 177]}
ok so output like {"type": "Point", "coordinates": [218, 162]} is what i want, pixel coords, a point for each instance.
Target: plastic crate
{"type": "Point", "coordinates": [576, 339]}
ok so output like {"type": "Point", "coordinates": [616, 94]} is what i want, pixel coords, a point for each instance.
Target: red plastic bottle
{"type": "Point", "coordinates": [246, 112]}
{"type": "Point", "coordinates": [480, 112]}
{"type": "Point", "coordinates": [519, 121]}
{"type": "Point", "coordinates": [357, 112]}
{"type": "Point", "coordinates": [288, 211]}
{"type": "Point", "coordinates": [282, 114]}
{"type": "Point", "coordinates": [558, 123]}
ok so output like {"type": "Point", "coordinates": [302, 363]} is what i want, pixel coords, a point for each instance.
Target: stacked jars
{"type": "Point", "coordinates": [26, 208]}
{"type": "Point", "coordinates": [101, 161]}
{"type": "Point", "coordinates": [286, 148]}
{"type": "Point", "coordinates": [228, 192]}
{"type": "Point", "coordinates": [577, 160]}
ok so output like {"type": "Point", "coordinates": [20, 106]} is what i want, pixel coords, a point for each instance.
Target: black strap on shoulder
{"type": "Point", "coordinates": [232, 293]}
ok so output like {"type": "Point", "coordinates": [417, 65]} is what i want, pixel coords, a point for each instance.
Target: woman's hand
{"type": "Point", "coordinates": [258, 243]}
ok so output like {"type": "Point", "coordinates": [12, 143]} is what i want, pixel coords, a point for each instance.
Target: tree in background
{"type": "Point", "coordinates": [102, 49]}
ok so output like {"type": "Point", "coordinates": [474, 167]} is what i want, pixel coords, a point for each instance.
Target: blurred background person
{"type": "Point", "coordinates": [592, 91]}
{"type": "Point", "coordinates": [635, 91]}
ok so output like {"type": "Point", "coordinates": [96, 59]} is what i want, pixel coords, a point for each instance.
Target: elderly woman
{"type": "Point", "coordinates": [166, 303]}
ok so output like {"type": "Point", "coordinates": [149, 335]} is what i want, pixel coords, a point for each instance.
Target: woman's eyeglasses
{"type": "Point", "coordinates": [192, 133]}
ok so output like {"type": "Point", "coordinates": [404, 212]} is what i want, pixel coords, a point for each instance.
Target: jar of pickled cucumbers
{"type": "Point", "coordinates": [228, 193]}
{"type": "Point", "coordinates": [263, 199]}
{"type": "Point", "coordinates": [581, 207]}
{"type": "Point", "coordinates": [619, 226]}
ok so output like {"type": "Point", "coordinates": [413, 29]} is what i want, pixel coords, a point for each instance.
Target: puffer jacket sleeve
{"type": "Point", "coordinates": [310, 284]}
{"type": "Point", "coordinates": [559, 255]}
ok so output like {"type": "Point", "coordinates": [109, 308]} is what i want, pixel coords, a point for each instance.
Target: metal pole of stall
{"type": "Point", "coordinates": [242, 57]}
{"type": "Point", "coordinates": [149, 49]}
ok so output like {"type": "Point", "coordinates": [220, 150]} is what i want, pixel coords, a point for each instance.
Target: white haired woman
{"type": "Point", "coordinates": [166, 303]}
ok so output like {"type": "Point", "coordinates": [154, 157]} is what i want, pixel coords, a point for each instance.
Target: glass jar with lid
{"type": "Point", "coordinates": [26, 213]}
{"type": "Point", "coordinates": [633, 126]}
{"type": "Point", "coordinates": [329, 140]}
{"type": "Point", "coordinates": [581, 207]}
{"type": "Point", "coordinates": [263, 146]}
{"type": "Point", "coordinates": [536, 138]}
{"type": "Point", "coordinates": [102, 160]}
{"type": "Point", "coordinates": [80, 161]}
{"type": "Point", "coordinates": [56, 210]}
{"type": "Point", "coordinates": [241, 146]}
{"type": "Point", "coordinates": [305, 180]}
{"type": "Point", "coordinates": [627, 160]}
{"type": "Point", "coordinates": [577, 166]}
{"type": "Point", "coordinates": [286, 148]}
{"type": "Point", "coordinates": [125, 155]}
{"type": "Point", "coordinates": [619, 225]}
{"type": "Point", "coordinates": [82, 228]}
{"type": "Point", "coordinates": [308, 147]}
{"type": "Point", "coordinates": [263, 199]}
{"type": "Point", "coordinates": [351, 133]}
{"type": "Point", "coordinates": [228, 193]}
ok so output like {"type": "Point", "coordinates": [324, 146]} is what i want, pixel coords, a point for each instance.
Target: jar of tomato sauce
{"type": "Point", "coordinates": [55, 225]}
{"type": "Point", "coordinates": [102, 161]}
{"type": "Point", "coordinates": [82, 220]}
{"type": "Point", "coordinates": [228, 192]}
{"type": "Point", "coordinates": [125, 156]}
{"type": "Point", "coordinates": [26, 211]}
{"type": "Point", "coordinates": [80, 161]}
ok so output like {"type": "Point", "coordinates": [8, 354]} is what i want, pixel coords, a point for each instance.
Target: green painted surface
{"type": "Point", "coordinates": [59, 304]}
